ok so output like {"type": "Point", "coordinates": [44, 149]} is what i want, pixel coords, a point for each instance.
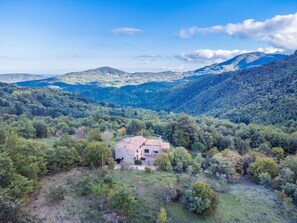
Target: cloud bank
{"type": "Point", "coordinates": [125, 31]}
{"type": "Point", "coordinates": [205, 56]}
{"type": "Point", "coordinates": [279, 31]}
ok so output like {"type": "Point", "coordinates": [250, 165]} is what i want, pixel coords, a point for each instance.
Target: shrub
{"type": "Point", "coordinates": [282, 195]}
{"type": "Point", "coordinates": [264, 178]}
{"type": "Point", "coordinates": [20, 187]}
{"type": "Point", "coordinates": [100, 189]}
{"type": "Point", "coordinates": [213, 151]}
{"type": "Point", "coordinates": [263, 165]}
{"type": "Point", "coordinates": [122, 200]}
{"type": "Point", "coordinates": [162, 161]}
{"type": "Point", "coordinates": [56, 193]}
{"type": "Point", "coordinates": [289, 189]}
{"type": "Point", "coordinates": [62, 158]}
{"type": "Point", "coordinates": [180, 158]}
{"type": "Point", "coordinates": [41, 129]}
{"type": "Point", "coordinates": [96, 154]}
{"type": "Point", "coordinates": [12, 212]}
{"type": "Point", "coordinates": [108, 180]}
{"type": "Point", "coordinates": [94, 135]}
{"type": "Point", "coordinates": [278, 152]}
{"type": "Point", "coordinates": [168, 192]}
{"type": "Point", "coordinates": [84, 187]}
{"type": "Point", "coordinates": [201, 198]}
{"type": "Point", "coordinates": [138, 162]}
{"type": "Point", "coordinates": [198, 146]}
{"type": "Point", "coordinates": [125, 166]}
{"type": "Point", "coordinates": [196, 166]}
{"type": "Point", "coordinates": [162, 216]}
{"type": "Point", "coordinates": [148, 169]}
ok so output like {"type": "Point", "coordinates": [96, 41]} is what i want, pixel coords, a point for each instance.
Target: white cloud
{"type": "Point", "coordinates": [125, 30]}
{"type": "Point", "coordinates": [205, 56]}
{"type": "Point", "coordinates": [279, 31]}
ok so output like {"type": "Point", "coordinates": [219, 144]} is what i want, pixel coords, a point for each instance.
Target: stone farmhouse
{"type": "Point", "coordinates": [139, 148]}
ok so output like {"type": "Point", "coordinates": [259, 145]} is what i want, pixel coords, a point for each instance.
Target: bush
{"type": "Point", "coordinates": [198, 146]}
{"type": "Point", "coordinates": [96, 154]}
{"type": "Point", "coordinates": [289, 189]}
{"type": "Point", "coordinates": [20, 187]}
{"type": "Point", "coordinates": [264, 178]}
{"type": "Point", "coordinates": [148, 169]}
{"type": "Point", "coordinates": [180, 159]}
{"type": "Point", "coordinates": [162, 216]}
{"type": "Point", "coordinates": [201, 198]}
{"type": "Point", "coordinates": [278, 153]}
{"type": "Point", "coordinates": [56, 193]}
{"type": "Point", "coordinates": [84, 187]}
{"type": "Point", "coordinates": [263, 165]}
{"type": "Point", "coordinates": [41, 129]}
{"type": "Point", "coordinates": [122, 200]}
{"type": "Point", "coordinates": [125, 166]}
{"type": "Point", "coordinates": [162, 161]}
{"type": "Point", "coordinates": [213, 151]}
{"type": "Point", "coordinates": [12, 212]}
{"type": "Point", "coordinates": [138, 162]}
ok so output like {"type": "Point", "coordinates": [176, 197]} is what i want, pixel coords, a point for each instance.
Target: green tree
{"type": "Point", "coordinates": [97, 154]}
{"type": "Point", "coordinates": [62, 158]}
{"type": "Point", "coordinates": [198, 146]}
{"type": "Point", "coordinates": [196, 166]}
{"type": "Point", "coordinates": [135, 127]}
{"type": "Point", "coordinates": [263, 165]}
{"type": "Point", "coordinates": [41, 129]}
{"type": "Point", "coordinates": [180, 158]}
{"type": "Point", "coordinates": [162, 161]}
{"type": "Point", "coordinates": [19, 187]}
{"type": "Point", "coordinates": [6, 170]}
{"type": "Point", "coordinates": [201, 198]}
{"type": "Point", "coordinates": [94, 135]}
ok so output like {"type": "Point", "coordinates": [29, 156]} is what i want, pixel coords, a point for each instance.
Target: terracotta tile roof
{"type": "Point", "coordinates": [134, 143]}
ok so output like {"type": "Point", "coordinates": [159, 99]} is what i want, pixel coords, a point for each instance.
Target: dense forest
{"type": "Point", "coordinates": [84, 132]}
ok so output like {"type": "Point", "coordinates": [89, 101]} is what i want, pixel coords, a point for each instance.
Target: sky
{"type": "Point", "coordinates": [59, 36]}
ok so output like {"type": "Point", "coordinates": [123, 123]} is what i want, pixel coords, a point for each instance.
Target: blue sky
{"type": "Point", "coordinates": [58, 36]}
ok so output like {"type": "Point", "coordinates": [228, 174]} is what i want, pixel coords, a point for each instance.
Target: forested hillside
{"type": "Point", "coordinates": [44, 131]}
{"type": "Point", "coordinates": [265, 94]}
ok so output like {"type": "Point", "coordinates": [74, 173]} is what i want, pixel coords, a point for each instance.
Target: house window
{"type": "Point", "coordinates": [146, 151]}
{"type": "Point", "coordinates": [156, 152]}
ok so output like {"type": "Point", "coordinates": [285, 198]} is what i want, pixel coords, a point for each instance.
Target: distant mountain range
{"type": "Point", "coordinates": [239, 62]}
{"type": "Point", "coordinates": [18, 77]}
{"type": "Point", "coordinates": [253, 93]}
{"type": "Point", "coordinates": [110, 77]}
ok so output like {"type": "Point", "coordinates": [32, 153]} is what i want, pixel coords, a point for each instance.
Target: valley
{"type": "Point", "coordinates": [148, 111]}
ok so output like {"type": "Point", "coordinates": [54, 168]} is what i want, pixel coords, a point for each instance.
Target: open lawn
{"type": "Point", "coordinates": [241, 202]}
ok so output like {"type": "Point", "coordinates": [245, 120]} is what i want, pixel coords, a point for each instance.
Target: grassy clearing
{"type": "Point", "coordinates": [49, 141]}
{"type": "Point", "coordinates": [239, 203]}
